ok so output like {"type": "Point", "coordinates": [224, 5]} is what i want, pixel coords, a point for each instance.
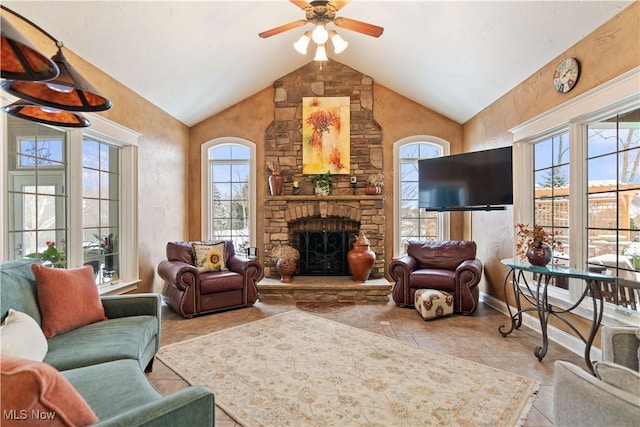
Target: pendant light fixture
{"type": "Point", "coordinates": [59, 99]}
{"type": "Point", "coordinates": [50, 116]}
{"type": "Point", "coordinates": [20, 60]}
{"type": "Point", "coordinates": [69, 91]}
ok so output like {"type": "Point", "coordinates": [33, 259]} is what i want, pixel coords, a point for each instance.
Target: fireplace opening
{"type": "Point", "coordinates": [323, 252]}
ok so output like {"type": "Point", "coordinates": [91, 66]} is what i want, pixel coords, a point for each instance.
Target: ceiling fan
{"type": "Point", "coordinates": [320, 13]}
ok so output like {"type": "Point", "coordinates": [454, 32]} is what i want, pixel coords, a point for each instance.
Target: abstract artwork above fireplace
{"type": "Point", "coordinates": [326, 126]}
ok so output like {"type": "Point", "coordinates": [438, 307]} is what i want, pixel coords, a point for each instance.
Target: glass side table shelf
{"type": "Point", "coordinates": [537, 295]}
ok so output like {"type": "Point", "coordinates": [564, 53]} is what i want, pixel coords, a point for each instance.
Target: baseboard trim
{"type": "Point", "coordinates": [557, 336]}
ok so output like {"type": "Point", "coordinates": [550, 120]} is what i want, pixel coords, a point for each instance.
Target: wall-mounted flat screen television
{"type": "Point", "coordinates": [481, 180]}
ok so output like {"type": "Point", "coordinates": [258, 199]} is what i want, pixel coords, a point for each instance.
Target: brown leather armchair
{"type": "Point", "coordinates": [190, 292]}
{"type": "Point", "coordinates": [449, 266]}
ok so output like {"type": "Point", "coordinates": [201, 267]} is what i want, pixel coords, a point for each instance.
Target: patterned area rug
{"type": "Point", "coordinates": [298, 369]}
{"type": "Point", "coordinates": [325, 307]}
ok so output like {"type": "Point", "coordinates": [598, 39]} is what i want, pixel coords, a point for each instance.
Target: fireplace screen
{"type": "Point", "coordinates": [324, 252]}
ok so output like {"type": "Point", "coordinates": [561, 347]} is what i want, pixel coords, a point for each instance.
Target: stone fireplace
{"type": "Point", "coordinates": [332, 223]}
{"type": "Point", "coordinates": [329, 223]}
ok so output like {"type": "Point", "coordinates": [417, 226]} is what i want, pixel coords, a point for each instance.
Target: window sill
{"type": "Point", "coordinates": [118, 287]}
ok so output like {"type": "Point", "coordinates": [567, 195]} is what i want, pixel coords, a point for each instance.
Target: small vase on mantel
{"type": "Point", "coordinates": [361, 258]}
{"type": "Point", "coordinates": [276, 182]}
{"type": "Point", "coordinates": [539, 255]}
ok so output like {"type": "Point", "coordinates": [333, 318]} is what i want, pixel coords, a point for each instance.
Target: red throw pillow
{"type": "Point", "coordinates": [68, 298]}
{"type": "Point", "coordinates": [34, 393]}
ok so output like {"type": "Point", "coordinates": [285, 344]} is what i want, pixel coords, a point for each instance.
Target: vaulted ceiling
{"type": "Point", "coordinates": [195, 58]}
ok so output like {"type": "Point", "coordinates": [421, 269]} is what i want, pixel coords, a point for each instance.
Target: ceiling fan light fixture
{"type": "Point", "coordinates": [303, 43]}
{"type": "Point", "coordinates": [320, 34]}
{"type": "Point", "coordinates": [339, 45]}
{"type": "Point", "coordinates": [69, 91]}
{"type": "Point", "coordinates": [51, 116]}
{"type": "Point", "coordinates": [20, 60]}
{"type": "Point", "coordinates": [321, 53]}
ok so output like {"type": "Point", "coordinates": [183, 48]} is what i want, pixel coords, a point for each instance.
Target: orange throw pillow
{"type": "Point", "coordinates": [68, 299]}
{"type": "Point", "coordinates": [34, 393]}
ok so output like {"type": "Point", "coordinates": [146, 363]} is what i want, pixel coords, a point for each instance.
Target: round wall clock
{"type": "Point", "coordinates": [566, 75]}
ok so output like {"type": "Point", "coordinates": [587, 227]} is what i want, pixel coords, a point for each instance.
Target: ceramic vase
{"type": "Point", "coordinates": [286, 268]}
{"type": "Point", "coordinates": [361, 258]}
{"type": "Point", "coordinates": [108, 262]}
{"type": "Point", "coordinates": [276, 182]}
{"type": "Point", "coordinates": [322, 191]}
{"type": "Point", "coordinates": [539, 255]}
{"type": "Point", "coordinates": [372, 189]}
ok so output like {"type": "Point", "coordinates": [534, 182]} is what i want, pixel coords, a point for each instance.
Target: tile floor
{"type": "Point", "coordinates": [473, 337]}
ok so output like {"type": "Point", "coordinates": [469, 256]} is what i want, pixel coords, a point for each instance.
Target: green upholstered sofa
{"type": "Point", "coordinates": [105, 361]}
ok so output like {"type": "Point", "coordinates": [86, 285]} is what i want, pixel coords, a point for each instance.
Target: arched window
{"type": "Point", "coordinates": [410, 222]}
{"type": "Point", "coordinates": [228, 191]}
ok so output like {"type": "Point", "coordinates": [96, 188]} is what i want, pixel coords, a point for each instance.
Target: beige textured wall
{"type": "Point", "coordinates": [608, 52]}
{"type": "Point", "coordinates": [247, 119]}
{"type": "Point", "coordinates": [162, 156]}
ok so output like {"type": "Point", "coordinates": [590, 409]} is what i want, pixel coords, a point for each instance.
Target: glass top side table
{"type": "Point", "coordinates": [537, 296]}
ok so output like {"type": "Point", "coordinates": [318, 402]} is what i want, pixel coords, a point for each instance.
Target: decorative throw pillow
{"type": "Point", "coordinates": [68, 299]}
{"type": "Point", "coordinates": [21, 336]}
{"type": "Point", "coordinates": [210, 257]}
{"type": "Point", "coordinates": [35, 389]}
{"type": "Point", "coordinates": [618, 376]}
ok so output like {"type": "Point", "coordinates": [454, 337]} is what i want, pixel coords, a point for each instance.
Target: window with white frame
{"type": "Point", "coordinates": [228, 208]}
{"type": "Point", "coordinates": [592, 186]}
{"type": "Point", "coordinates": [101, 208]}
{"type": "Point", "coordinates": [64, 191]}
{"type": "Point", "coordinates": [411, 222]}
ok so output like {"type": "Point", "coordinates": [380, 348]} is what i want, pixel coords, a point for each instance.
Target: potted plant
{"type": "Point", "coordinates": [108, 245]}
{"type": "Point", "coordinates": [287, 257]}
{"type": "Point", "coordinates": [535, 244]}
{"type": "Point", "coordinates": [374, 184]}
{"type": "Point", "coordinates": [322, 184]}
{"type": "Point", "coordinates": [52, 254]}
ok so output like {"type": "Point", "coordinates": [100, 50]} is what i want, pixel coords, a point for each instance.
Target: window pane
{"type": "Point", "coordinates": [101, 205]}
{"type": "Point", "coordinates": [614, 203]}
{"type": "Point", "coordinates": [230, 204]}
{"type": "Point", "coordinates": [551, 191]}
{"type": "Point", "coordinates": [415, 223]}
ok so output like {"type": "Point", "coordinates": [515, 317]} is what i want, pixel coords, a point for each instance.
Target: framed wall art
{"type": "Point", "coordinates": [326, 144]}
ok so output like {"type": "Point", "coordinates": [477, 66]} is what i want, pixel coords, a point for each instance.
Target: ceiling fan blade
{"type": "Point", "coordinates": [339, 4]}
{"type": "Point", "coordinates": [283, 28]}
{"type": "Point", "coordinates": [301, 4]}
{"type": "Point", "coordinates": [359, 26]}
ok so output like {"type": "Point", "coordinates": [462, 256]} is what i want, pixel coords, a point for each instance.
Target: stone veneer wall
{"type": "Point", "coordinates": [283, 144]}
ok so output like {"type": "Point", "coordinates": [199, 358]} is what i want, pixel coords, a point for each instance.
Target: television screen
{"type": "Point", "coordinates": [469, 181]}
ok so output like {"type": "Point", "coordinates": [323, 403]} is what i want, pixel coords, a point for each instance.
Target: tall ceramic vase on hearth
{"type": "Point", "coordinates": [361, 259]}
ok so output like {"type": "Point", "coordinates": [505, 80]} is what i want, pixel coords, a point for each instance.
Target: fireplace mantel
{"type": "Point", "coordinates": [314, 198]}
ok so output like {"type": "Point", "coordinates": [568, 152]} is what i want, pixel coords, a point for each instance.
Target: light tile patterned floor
{"type": "Point", "coordinates": [473, 337]}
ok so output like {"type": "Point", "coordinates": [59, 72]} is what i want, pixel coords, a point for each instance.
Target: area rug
{"type": "Point", "coordinates": [298, 369]}
{"type": "Point", "coordinates": [325, 307]}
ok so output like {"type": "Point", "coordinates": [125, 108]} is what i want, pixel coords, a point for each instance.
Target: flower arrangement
{"type": "Point", "coordinates": [286, 252]}
{"type": "Point", "coordinates": [108, 244]}
{"type": "Point", "coordinates": [376, 179]}
{"type": "Point", "coordinates": [534, 237]}
{"type": "Point", "coordinates": [52, 254]}
{"type": "Point", "coordinates": [273, 167]}
{"type": "Point", "coordinates": [322, 182]}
